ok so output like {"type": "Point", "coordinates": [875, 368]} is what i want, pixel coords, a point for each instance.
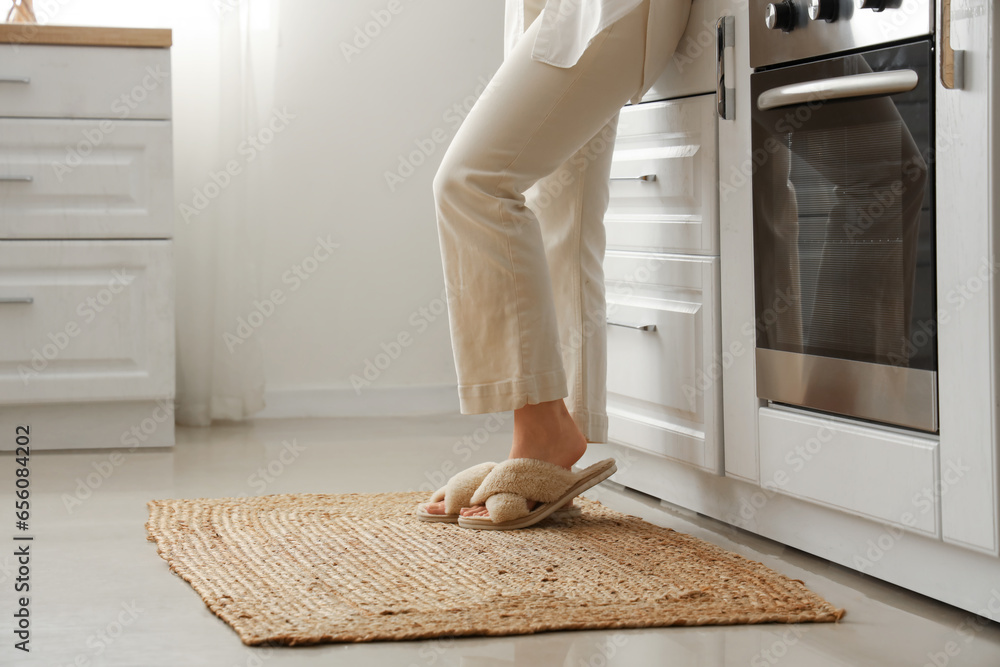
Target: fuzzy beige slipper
{"type": "Point", "coordinates": [509, 486]}
{"type": "Point", "coordinates": [457, 493]}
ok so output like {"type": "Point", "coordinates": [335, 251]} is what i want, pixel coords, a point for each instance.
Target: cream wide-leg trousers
{"type": "Point", "coordinates": [520, 197]}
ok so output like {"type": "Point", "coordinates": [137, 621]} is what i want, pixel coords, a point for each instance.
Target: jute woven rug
{"type": "Point", "coordinates": [313, 568]}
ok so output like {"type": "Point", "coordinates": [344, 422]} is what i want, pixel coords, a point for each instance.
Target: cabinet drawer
{"type": "Point", "coordinates": [692, 69]}
{"type": "Point", "coordinates": [85, 178]}
{"type": "Point", "coordinates": [99, 324]}
{"type": "Point", "coordinates": [663, 178]}
{"type": "Point", "coordinates": [661, 393]}
{"type": "Point", "coordinates": [883, 475]}
{"type": "Point", "coordinates": [42, 81]}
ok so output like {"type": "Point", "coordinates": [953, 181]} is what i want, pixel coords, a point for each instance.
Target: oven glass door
{"type": "Point", "coordinates": [844, 235]}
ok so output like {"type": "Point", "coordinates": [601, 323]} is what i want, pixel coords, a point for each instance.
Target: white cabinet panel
{"type": "Point", "coordinates": [739, 318]}
{"type": "Point", "coordinates": [879, 474]}
{"type": "Point", "coordinates": [85, 179]}
{"type": "Point", "coordinates": [46, 81]}
{"type": "Point", "coordinates": [99, 324]}
{"type": "Point", "coordinates": [664, 174]}
{"type": "Point", "coordinates": [661, 393]}
{"type": "Point", "coordinates": [968, 297]}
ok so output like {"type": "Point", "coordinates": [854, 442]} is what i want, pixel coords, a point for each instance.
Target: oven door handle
{"type": "Point", "coordinates": [839, 87]}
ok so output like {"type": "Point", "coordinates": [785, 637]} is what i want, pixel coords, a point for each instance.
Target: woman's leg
{"type": "Point", "coordinates": [570, 204]}
{"type": "Point", "coordinates": [532, 118]}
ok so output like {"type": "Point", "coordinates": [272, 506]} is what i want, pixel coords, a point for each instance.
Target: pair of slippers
{"type": "Point", "coordinates": [508, 488]}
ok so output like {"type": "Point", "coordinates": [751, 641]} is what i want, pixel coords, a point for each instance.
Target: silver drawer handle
{"type": "Point", "coordinates": [839, 87]}
{"type": "Point", "coordinates": [17, 299]}
{"type": "Point", "coordinates": [640, 327]}
{"type": "Point", "coordinates": [18, 179]}
{"type": "Point", "coordinates": [15, 79]}
{"type": "Point", "coordinates": [644, 177]}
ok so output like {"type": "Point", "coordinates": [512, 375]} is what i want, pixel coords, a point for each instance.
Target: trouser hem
{"type": "Point", "coordinates": [593, 425]}
{"type": "Point", "coordinates": [513, 393]}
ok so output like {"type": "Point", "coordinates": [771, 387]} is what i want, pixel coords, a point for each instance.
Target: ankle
{"type": "Point", "coordinates": [564, 446]}
{"type": "Point", "coordinates": [548, 432]}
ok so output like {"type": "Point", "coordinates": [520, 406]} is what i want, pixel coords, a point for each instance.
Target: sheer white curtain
{"type": "Point", "coordinates": [222, 61]}
{"type": "Point", "coordinates": [220, 371]}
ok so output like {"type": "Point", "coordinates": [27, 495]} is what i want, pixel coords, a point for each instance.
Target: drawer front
{"type": "Point", "coordinates": [99, 326]}
{"type": "Point", "coordinates": [692, 69]}
{"type": "Point", "coordinates": [663, 178]}
{"type": "Point", "coordinates": [85, 179]}
{"type": "Point", "coordinates": [662, 343]}
{"type": "Point", "coordinates": [882, 475]}
{"type": "Point", "coordinates": [42, 81]}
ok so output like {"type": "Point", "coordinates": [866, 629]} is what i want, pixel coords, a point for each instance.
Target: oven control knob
{"type": "Point", "coordinates": [823, 9]}
{"type": "Point", "coordinates": [780, 16]}
{"type": "Point", "coordinates": [874, 5]}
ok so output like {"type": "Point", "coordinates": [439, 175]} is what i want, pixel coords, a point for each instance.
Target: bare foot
{"type": "Point", "coordinates": [543, 431]}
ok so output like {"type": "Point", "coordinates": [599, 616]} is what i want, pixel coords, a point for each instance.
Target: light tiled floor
{"type": "Point", "coordinates": [102, 595]}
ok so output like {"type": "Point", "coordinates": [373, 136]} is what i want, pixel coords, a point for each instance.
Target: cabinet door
{"type": "Point", "coordinates": [85, 179]}
{"type": "Point", "coordinates": [86, 321]}
{"type": "Point", "coordinates": [664, 176]}
{"type": "Point", "coordinates": [663, 344]}
{"type": "Point", "coordinates": [968, 279]}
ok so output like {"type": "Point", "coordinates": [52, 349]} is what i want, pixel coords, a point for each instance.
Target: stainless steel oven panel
{"type": "Point", "coordinates": [852, 29]}
{"type": "Point", "coordinates": [888, 394]}
{"type": "Point", "coordinates": [844, 235]}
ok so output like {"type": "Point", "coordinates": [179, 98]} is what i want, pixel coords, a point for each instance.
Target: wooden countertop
{"type": "Point", "coordinates": [30, 33]}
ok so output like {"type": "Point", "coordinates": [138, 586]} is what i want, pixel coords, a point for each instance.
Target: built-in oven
{"type": "Point", "coordinates": [843, 210]}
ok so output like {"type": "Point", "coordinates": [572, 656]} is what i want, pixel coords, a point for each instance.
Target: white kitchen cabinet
{"type": "Point", "coordinates": [662, 270]}
{"type": "Point", "coordinates": [661, 273]}
{"type": "Point", "coordinates": [968, 250]}
{"type": "Point", "coordinates": [663, 194]}
{"type": "Point", "coordinates": [69, 178]}
{"type": "Point", "coordinates": [915, 509]}
{"type": "Point", "coordinates": [86, 249]}
{"type": "Point", "coordinates": [662, 340]}
{"type": "Point", "coordinates": [95, 328]}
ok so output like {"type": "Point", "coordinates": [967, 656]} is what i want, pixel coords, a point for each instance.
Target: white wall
{"type": "Point", "coordinates": [353, 120]}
